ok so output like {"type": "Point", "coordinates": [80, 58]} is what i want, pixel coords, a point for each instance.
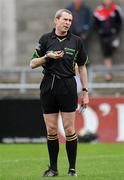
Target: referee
{"type": "Point", "coordinates": [58, 52]}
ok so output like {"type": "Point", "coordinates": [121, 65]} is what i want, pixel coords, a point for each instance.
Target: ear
{"type": "Point", "coordinates": [55, 20]}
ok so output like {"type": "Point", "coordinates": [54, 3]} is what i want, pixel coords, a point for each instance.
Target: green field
{"type": "Point", "coordinates": [94, 162]}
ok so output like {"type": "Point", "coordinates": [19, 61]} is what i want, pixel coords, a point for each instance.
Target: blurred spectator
{"type": "Point", "coordinates": [82, 19]}
{"type": "Point", "coordinates": [108, 23]}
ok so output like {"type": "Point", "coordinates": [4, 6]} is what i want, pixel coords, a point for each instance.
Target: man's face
{"type": "Point", "coordinates": [77, 3]}
{"type": "Point", "coordinates": [64, 22]}
{"type": "Point", "coordinates": [107, 2]}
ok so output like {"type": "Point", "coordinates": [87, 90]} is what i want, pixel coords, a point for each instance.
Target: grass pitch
{"type": "Point", "coordinates": [94, 162]}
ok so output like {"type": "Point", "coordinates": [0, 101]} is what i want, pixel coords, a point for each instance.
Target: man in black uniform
{"type": "Point", "coordinates": [57, 52]}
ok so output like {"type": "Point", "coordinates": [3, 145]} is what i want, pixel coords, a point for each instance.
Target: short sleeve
{"type": "Point", "coordinates": [82, 57]}
{"type": "Point", "coordinates": [41, 47]}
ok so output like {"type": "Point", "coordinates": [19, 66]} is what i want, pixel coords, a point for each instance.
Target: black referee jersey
{"type": "Point", "coordinates": [74, 52]}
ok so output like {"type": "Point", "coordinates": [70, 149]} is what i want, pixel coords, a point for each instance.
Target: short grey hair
{"type": "Point", "coordinates": [60, 11]}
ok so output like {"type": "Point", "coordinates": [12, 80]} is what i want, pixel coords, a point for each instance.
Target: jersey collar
{"type": "Point", "coordinates": [55, 36]}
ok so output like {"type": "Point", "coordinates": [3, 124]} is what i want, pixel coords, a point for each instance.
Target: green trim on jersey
{"type": "Point", "coordinates": [87, 60]}
{"type": "Point", "coordinates": [61, 40]}
{"type": "Point", "coordinates": [75, 57]}
{"type": "Point", "coordinates": [69, 49]}
{"type": "Point", "coordinates": [35, 54]}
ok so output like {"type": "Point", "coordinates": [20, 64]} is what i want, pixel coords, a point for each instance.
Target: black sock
{"type": "Point", "coordinates": [53, 149]}
{"type": "Point", "coordinates": [71, 148]}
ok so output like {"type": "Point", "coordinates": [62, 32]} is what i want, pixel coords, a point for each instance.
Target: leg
{"type": "Point", "coordinates": [52, 141]}
{"type": "Point", "coordinates": [107, 53]}
{"type": "Point", "coordinates": [68, 119]}
{"type": "Point", "coordinates": [50, 111]}
{"type": "Point", "coordinates": [108, 64]}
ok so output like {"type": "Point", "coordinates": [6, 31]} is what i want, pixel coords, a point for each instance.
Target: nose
{"type": "Point", "coordinates": [68, 22]}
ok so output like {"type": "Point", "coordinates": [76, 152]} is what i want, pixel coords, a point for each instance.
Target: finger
{"type": "Point", "coordinates": [57, 52]}
{"type": "Point", "coordinates": [59, 56]}
{"type": "Point", "coordinates": [84, 104]}
{"type": "Point", "coordinates": [61, 51]}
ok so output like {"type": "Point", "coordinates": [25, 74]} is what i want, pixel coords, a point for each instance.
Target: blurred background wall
{"type": "Point", "coordinates": [23, 22]}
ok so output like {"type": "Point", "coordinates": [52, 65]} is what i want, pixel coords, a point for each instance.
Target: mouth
{"type": "Point", "coordinates": [66, 27]}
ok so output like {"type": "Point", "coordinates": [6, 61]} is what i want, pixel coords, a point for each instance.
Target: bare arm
{"type": "Point", "coordinates": [36, 62]}
{"type": "Point", "coordinates": [84, 82]}
{"type": "Point", "coordinates": [83, 76]}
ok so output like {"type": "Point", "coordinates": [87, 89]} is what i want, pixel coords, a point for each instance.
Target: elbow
{"type": "Point", "coordinates": [32, 66]}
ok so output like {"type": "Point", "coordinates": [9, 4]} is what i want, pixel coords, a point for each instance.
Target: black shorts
{"type": "Point", "coordinates": [58, 94]}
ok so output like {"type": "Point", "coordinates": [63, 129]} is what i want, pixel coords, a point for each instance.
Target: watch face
{"type": "Point", "coordinates": [85, 89]}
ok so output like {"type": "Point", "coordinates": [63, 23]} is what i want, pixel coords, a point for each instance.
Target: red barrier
{"type": "Point", "coordinates": [104, 116]}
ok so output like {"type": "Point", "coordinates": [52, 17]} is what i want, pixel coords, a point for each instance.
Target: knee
{"type": "Point", "coordinates": [69, 131]}
{"type": "Point", "coordinates": [52, 130]}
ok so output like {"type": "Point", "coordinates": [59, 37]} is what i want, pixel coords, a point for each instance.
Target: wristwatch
{"type": "Point", "coordinates": [46, 57]}
{"type": "Point", "coordinates": [85, 89]}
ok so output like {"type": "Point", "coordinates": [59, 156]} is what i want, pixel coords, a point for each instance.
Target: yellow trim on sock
{"type": "Point", "coordinates": [71, 138]}
{"type": "Point", "coordinates": [52, 137]}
